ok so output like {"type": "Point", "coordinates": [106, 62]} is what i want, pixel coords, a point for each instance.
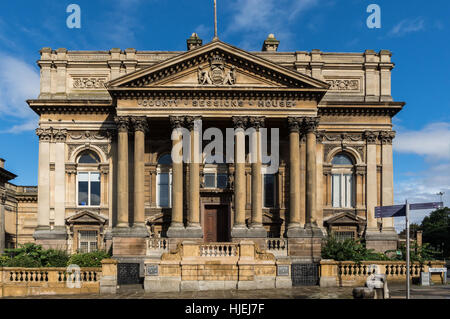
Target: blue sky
{"type": "Point", "coordinates": [417, 32]}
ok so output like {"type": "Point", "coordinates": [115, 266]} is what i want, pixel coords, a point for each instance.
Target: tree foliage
{"type": "Point", "coordinates": [436, 230]}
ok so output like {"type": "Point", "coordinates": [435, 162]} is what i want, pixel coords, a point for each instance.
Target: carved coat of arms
{"type": "Point", "coordinates": [217, 75]}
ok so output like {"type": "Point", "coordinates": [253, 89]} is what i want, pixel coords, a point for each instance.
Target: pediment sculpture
{"type": "Point", "coordinates": [217, 75]}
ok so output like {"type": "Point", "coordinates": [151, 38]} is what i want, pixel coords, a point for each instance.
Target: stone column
{"type": "Point", "coordinates": [43, 215]}
{"type": "Point", "coordinates": [371, 180]}
{"type": "Point", "coordinates": [387, 177]}
{"type": "Point", "coordinates": [239, 227]}
{"type": "Point", "coordinates": [256, 228]}
{"type": "Point", "coordinates": [122, 172]}
{"type": "Point", "coordinates": [140, 127]}
{"type": "Point", "coordinates": [176, 228]}
{"type": "Point", "coordinates": [310, 126]}
{"type": "Point", "coordinates": [60, 181]}
{"type": "Point", "coordinates": [193, 228]}
{"type": "Point", "coordinates": [294, 226]}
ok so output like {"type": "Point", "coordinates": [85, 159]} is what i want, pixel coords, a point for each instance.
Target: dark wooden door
{"type": "Point", "coordinates": [216, 225]}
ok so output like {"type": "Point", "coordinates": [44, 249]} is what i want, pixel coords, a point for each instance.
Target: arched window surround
{"type": "Point", "coordinates": [88, 183]}
{"type": "Point", "coordinates": [343, 183]}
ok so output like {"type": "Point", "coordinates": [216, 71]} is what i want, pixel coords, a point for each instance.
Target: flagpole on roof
{"type": "Point", "coordinates": [215, 21]}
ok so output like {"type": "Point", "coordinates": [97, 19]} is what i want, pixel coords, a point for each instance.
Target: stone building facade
{"type": "Point", "coordinates": [18, 211]}
{"type": "Point", "coordinates": [109, 120]}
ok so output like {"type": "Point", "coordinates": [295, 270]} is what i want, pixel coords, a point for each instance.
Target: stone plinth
{"type": "Point", "coordinates": [381, 241]}
{"type": "Point", "coordinates": [216, 266]}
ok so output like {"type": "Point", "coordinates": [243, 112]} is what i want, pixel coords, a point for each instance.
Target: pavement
{"type": "Point", "coordinates": [304, 292]}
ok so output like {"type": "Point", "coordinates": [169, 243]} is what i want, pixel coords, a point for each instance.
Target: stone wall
{"type": "Point", "coordinates": [221, 266]}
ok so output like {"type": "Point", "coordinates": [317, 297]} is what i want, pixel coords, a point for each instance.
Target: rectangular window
{"type": "Point", "coordinates": [89, 189]}
{"type": "Point", "coordinates": [222, 180]}
{"type": "Point", "coordinates": [269, 190]}
{"type": "Point", "coordinates": [87, 241]}
{"type": "Point", "coordinates": [336, 190]}
{"type": "Point", "coordinates": [164, 189]}
{"type": "Point", "coordinates": [210, 180]}
{"type": "Point", "coordinates": [343, 235]}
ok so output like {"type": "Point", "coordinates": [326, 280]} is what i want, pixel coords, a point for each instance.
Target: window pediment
{"type": "Point", "coordinates": [86, 217]}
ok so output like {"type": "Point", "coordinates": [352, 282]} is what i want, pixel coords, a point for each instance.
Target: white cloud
{"type": "Point", "coordinates": [258, 18]}
{"type": "Point", "coordinates": [407, 26]}
{"type": "Point", "coordinates": [433, 141]}
{"type": "Point", "coordinates": [19, 81]}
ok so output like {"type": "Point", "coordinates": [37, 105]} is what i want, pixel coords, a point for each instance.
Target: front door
{"type": "Point", "coordinates": [216, 224]}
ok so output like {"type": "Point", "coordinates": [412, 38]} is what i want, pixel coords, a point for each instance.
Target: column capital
{"type": "Point", "coordinates": [60, 135]}
{"type": "Point", "coordinates": [386, 137]}
{"type": "Point", "coordinates": [3, 198]}
{"type": "Point", "coordinates": [44, 135]}
{"type": "Point", "coordinates": [320, 135]}
{"type": "Point", "coordinates": [176, 122]}
{"type": "Point", "coordinates": [371, 137]}
{"type": "Point", "coordinates": [139, 123]}
{"type": "Point", "coordinates": [191, 122]}
{"type": "Point", "coordinates": [310, 124]}
{"type": "Point", "coordinates": [294, 124]}
{"type": "Point", "coordinates": [256, 122]}
{"type": "Point", "coordinates": [123, 123]}
{"type": "Point", "coordinates": [239, 121]}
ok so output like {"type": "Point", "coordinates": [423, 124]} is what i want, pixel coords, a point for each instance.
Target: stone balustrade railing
{"type": "Point", "coordinates": [48, 281]}
{"type": "Point", "coordinates": [277, 246]}
{"type": "Point", "coordinates": [218, 250]}
{"type": "Point", "coordinates": [349, 273]}
{"type": "Point", "coordinates": [158, 244]}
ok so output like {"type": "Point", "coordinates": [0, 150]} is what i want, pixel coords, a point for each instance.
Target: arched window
{"type": "Point", "coordinates": [215, 174]}
{"type": "Point", "coordinates": [343, 181]}
{"type": "Point", "coordinates": [164, 181]}
{"type": "Point", "coordinates": [88, 179]}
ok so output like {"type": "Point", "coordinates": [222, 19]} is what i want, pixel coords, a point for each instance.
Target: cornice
{"type": "Point", "coordinates": [64, 106]}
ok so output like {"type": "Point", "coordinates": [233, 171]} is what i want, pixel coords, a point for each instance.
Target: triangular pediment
{"type": "Point", "coordinates": [86, 217]}
{"type": "Point", "coordinates": [217, 65]}
{"type": "Point", "coordinates": [344, 218]}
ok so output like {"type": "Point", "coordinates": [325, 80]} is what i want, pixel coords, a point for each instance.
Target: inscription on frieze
{"type": "Point", "coordinates": [216, 103]}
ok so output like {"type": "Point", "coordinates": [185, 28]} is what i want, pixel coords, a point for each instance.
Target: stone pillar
{"type": "Point", "coordinates": [256, 229]}
{"type": "Point", "coordinates": [61, 71]}
{"type": "Point", "coordinates": [176, 228]}
{"type": "Point", "coordinates": [239, 227]}
{"type": "Point", "coordinates": [43, 215]}
{"type": "Point", "coordinates": [310, 126]}
{"type": "Point", "coordinates": [193, 227]}
{"type": "Point", "coordinates": [294, 226]}
{"type": "Point", "coordinates": [371, 180]}
{"type": "Point", "coordinates": [60, 181]}
{"type": "Point", "coordinates": [140, 127]}
{"type": "Point", "coordinates": [387, 238]}
{"type": "Point", "coordinates": [122, 172]}
{"type": "Point", "coordinates": [387, 177]}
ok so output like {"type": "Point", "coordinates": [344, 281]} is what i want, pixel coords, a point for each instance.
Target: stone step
{"type": "Point", "coordinates": [131, 288]}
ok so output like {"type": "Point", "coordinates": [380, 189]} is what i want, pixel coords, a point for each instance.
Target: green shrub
{"type": "Point", "coordinates": [55, 258]}
{"type": "Point", "coordinates": [349, 250]}
{"type": "Point", "coordinates": [417, 253]}
{"type": "Point", "coordinates": [22, 261]}
{"type": "Point", "coordinates": [40, 257]}
{"type": "Point", "coordinates": [3, 260]}
{"type": "Point", "coordinates": [92, 259]}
